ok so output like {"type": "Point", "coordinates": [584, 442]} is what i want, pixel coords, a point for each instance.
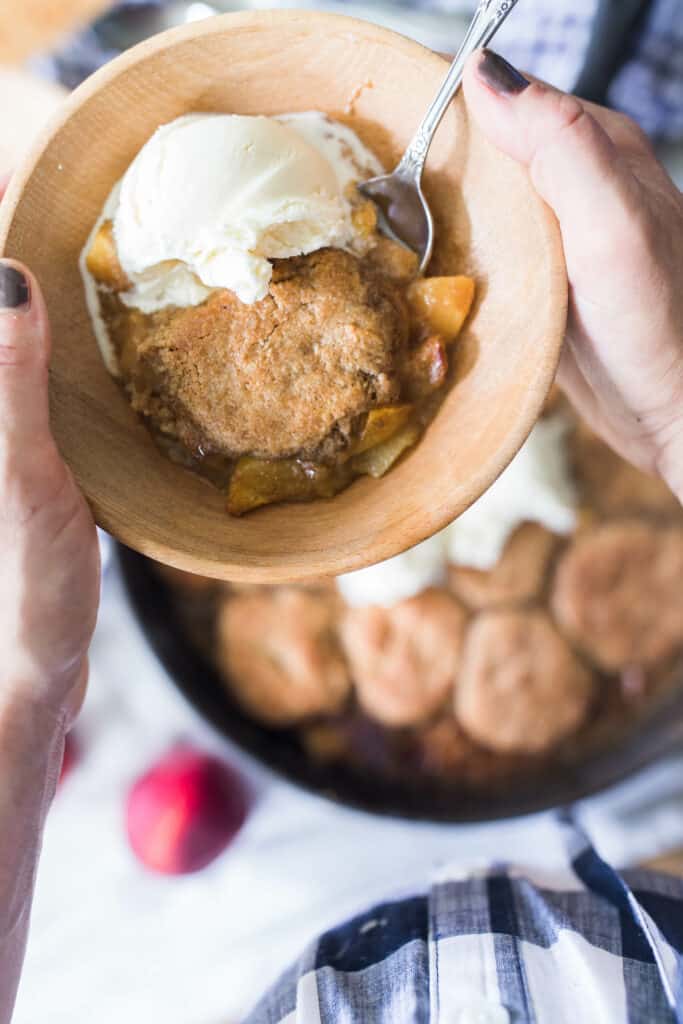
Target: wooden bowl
{"type": "Point", "coordinates": [490, 223]}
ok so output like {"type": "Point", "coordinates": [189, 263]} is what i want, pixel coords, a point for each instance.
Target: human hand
{"type": "Point", "coordinates": [621, 219]}
{"type": "Point", "coordinates": [49, 592]}
{"type": "Point", "coordinates": [49, 558]}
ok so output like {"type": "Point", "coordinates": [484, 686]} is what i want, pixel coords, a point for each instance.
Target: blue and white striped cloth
{"type": "Point", "coordinates": [649, 87]}
{"type": "Point", "coordinates": [503, 947]}
{"type": "Point", "coordinates": [548, 38]}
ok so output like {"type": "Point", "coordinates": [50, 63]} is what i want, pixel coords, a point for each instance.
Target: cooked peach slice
{"type": "Point", "coordinates": [382, 424]}
{"type": "Point", "coordinates": [364, 218]}
{"type": "Point", "coordinates": [426, 368]}
{"type": "Point", "coordinates": [440, 305]}
{"type": "Point", "coordinates": [257, 482]}
{"type": "Point", "coordinates": [103, 262]}
{"type": "Point", "coordinates": [377, 461]}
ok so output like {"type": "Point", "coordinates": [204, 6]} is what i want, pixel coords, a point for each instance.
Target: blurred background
{"type": "Point", "coordinates": [120, 932]}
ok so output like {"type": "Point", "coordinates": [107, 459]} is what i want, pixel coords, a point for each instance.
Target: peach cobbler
{"type": "Point", "coordinates": [272, 339]}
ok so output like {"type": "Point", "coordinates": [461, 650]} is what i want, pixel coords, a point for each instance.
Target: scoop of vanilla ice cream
{"type": "Point", "coordinates": [351, 160]}
{"type": "Point", "coordinates": [211, 198]}
{"type": "Point", "coordinates": [536, 487]}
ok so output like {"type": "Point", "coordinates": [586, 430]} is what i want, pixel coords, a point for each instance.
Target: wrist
{"type": "Point", "coordinates": [29, 725]}
{"type": "Point", "coordinates": [31, 751]}
{"type": "Point", "coordinates": [50, 696]}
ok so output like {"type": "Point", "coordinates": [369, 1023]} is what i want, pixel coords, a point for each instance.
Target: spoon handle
{"type": "Point", "coordinates": [489, 16]}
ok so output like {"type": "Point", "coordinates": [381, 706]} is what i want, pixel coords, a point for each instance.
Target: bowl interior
{"type": "Point", "coordinates": [490, 224]}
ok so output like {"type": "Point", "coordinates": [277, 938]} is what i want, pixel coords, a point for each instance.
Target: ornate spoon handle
{"type": "Point", "coordinates": [489, 16]}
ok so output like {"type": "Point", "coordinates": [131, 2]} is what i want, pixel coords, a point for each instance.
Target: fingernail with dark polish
{"type": "Point", "coordinates": [501, 76]}
{"type": "Point", "coordinates": [14, 288]}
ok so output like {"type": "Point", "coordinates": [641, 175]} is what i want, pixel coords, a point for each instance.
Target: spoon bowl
{"type": "Point", "coordinates": [404, 213]}
{"type": "Point", "coordinates": [489, 223]}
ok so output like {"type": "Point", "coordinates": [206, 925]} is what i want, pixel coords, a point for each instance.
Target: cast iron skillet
{"type": "Point", "coordinates": [421, 799]}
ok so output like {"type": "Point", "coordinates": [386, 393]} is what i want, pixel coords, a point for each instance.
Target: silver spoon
{"type": "Point", "coordinates": [403, 211]}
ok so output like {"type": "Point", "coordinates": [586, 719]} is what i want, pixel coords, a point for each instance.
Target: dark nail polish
{"type": "Point", "coordinates": [14, 289]}
{"type": "Point", "coordinates": [500, 76]}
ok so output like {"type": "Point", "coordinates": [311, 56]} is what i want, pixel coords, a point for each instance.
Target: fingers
{"type": "Point", "coordinates": [573, 162]}
{"type": "Point", "coordinates": [24, 356]}
{"type": "Point", "coordinates": [622, 130]}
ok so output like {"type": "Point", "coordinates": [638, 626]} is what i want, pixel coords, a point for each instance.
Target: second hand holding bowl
{"type": "Point", "coordinates": [404, 212]}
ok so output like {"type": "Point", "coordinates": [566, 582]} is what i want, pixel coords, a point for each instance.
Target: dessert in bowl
{"type": "Point", "coordinates": [491, 227]}
{"type": "Point", "coordinates": [271, 337]}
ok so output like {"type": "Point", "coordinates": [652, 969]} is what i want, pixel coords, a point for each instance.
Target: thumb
{"type": "Point", "coordinates": [24, 357]}
{"type": "Point", "coordinates": [573, 163]}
